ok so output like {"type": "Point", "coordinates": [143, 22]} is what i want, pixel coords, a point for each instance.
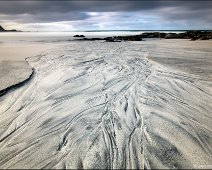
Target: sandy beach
{"type": "Point", "coordinates": [116, 105]}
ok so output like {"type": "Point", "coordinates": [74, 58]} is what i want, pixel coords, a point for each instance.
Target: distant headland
{"type": "Point", "coordinates": [3, 30]}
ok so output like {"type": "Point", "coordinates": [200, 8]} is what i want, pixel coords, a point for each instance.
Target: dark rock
{"type": "Point", "coordinates": [129, 38]}
{"type": "Point", "coordinates": [110, 39]}
{"type": "Point", "coordinates": [194, 35]}
{"type": "Point", "coordinates": [171, 36]}
{"type": "Point", "coordinates": [79, 36]}
{"type": "Point", "coordinates": [162, 35]}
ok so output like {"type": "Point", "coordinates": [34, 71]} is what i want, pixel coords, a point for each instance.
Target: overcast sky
{"type": "Point", "coordinates": [69, 15]}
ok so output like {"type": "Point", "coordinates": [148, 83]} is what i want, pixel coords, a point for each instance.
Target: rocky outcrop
{"type": "Point", "coordinates": [171, 36]}
{"type": "Point", "coordinates": [129, 38]}
{"type": "Point", "coordinates": [116, 38]}
{"type": "Point", "coordinates": [111, 39]}
{"type": "Point", "coordinates": [192, 35]}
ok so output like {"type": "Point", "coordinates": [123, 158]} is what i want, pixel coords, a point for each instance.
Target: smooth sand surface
{"type": "Point", "coordinates": [14, 52]}
{"type": "Point", "coordinates": [194, 57]}
{"type": "Point", "coordinates": [106, 105]}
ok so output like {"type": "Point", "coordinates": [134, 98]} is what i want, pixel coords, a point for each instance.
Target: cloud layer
{"type": "Point", "coordinates": [102, 15]}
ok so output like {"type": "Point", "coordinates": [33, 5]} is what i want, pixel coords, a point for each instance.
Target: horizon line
{"type": "Point", "coordinates": [122, 30]}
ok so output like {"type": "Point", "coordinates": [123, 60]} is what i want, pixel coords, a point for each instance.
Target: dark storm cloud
{"type": "Point", "coordinates": [63, 6]}
{"type": "Point", "coordinates": [45, 17]}
{"type": "Point", "coordinates": [42, 11]}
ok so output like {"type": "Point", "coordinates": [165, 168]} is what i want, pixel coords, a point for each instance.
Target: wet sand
{"type": "Point", "coordinates": [107, 105]}
{"type": "Point", "coordinates": [18, 52]}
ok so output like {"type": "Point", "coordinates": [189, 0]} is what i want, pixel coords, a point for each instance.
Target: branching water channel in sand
{"type": "Point", "coordinates": [105, 105]}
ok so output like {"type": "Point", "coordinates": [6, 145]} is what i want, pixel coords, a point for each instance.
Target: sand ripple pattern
{"type": "Point", "coordinates": [105, 105]}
